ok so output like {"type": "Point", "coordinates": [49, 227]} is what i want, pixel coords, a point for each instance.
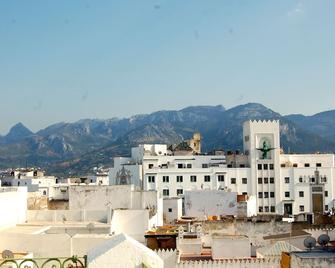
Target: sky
{"type": "Point", "coordinates": [67, 60]}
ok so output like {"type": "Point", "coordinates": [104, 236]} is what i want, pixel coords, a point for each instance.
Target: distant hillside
{"type": "Point", "coordinates": [75, 148]}
{"type": "Point", "coordinates": [322, 124]}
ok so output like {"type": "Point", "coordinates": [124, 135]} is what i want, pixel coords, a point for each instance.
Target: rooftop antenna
{"type": "Point", "coordinates": [310, 243]}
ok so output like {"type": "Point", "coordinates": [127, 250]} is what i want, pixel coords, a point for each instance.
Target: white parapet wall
{"type": "Point", "coordinates": [67, 215]}
{"type": "Point", "coordinates": [13, 206]}
{"type": "Point", "coordinates": [169, 256]}
{"type": "Point", "coordinates": [237, 263]}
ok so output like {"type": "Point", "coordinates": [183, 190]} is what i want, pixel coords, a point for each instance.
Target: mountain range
{"type": "Point", "coordinates": [75, 148]}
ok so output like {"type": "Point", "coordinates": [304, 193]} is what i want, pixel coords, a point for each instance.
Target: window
{"type": "Point", "coordinates": [189, 166]}
{"type": "Point", "coordinates": [229, 166]}
{"type": "Point", "coordinates": [180, 191]}
{"type": "Point", "coordinates": [207, 178]}
{"type": "Point", "coordinates": [273, 209]}
{"type": "Point", "coordinates": [271, 166]}
{"type": "Point", "coordinates": [170, 209]}
{"type": "Point", "coordinates": [300, 179]}
{"type": "Point", "coordinates": [193, 178]}
{"type": "Point", "coordinates": [246, 138]}
{"type": "Point", "coordinates": [242, 166]}
{"type": "Point", "coordinates": [287, 179]}
{"type": "Point", "coordinates": [326, 207]}
{"type": "Point", "coordinates": [318, 164]}
{"type": "Point", "coordinates": [259, 166]}
{"type": "Point", "coordinates": [324, 179]}
{"type": "Point", "coordinates": [166, 179]}
{"type": "Point", "coordinates": [306, 164]}
{"type": "Point", "coordinates": [272, 180]}
{"type": "Point", "coordinates": [266, 195]}
{"type": "Point", "coordinates": [301, 194]}
{"type": "Point", "coordinates": [301, 208]}
{"type": "Point", "coordinates": [265, 166]}
{"type": "Point", "coordinates": [180, 166]}
{"type": "Point", "coordinates": [244, 193]}
{"type": "Point", "coordinates": [282, 165]}
{"type": "Point", "coordinates": [260, 209]}
{"type": "Point", "coordinates": [295, 165]}
{"type": "Point", "coordinates": [221, 178]}
{"type": "Point", "coordinates": [266, 180]}
{"type": "Point", "coordinates": [151, 179]}
{"type": "Point", "coordinates": [204, 165]}
{"type": "Point", "coordinates": [272, 194]}
{"type": "Point", "coordinates": [233, 180]}
{"type": "Point", "coordinates": [166, 192]}
{"type": "Point", "coordinates": [287, 194]}
{"type": "Point", "coordinates": [179, 178]}
{"type": "Point", "coordinates": [150, 166]}
{"type": "Point", "coordinates": [326, 193]}
{"type": "Point", "coordinates": [260, 195]}
{"type": "Point", "coordinates": [260, 180]}
{"type": "Point", "coordinates": [44, 192]}
{"type": "Point", "coordinates": [244, 180]}
{"type": "Point", "coordinates": [266, 209]}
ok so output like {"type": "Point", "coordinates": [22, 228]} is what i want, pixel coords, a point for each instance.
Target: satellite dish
{"type": "Point", "coordinates": [310, 242]}
{"type": "Point", "coordinates": [7, 254]}
{"type": "Point", "coordinates": [323, 240]}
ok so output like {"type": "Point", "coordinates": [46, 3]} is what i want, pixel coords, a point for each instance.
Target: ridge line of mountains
{"type": "Point", "coordinates": [69, 149]}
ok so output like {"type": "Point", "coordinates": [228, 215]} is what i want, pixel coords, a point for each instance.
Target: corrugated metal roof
{"type": "Point", "coordinates": [277, 248]}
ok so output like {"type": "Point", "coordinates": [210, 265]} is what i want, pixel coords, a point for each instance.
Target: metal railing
{"type": "Point", "coordinates": [72, 262]}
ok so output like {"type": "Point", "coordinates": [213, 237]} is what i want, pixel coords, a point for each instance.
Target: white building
{"type": "Point", "coordinates": [282, 183]}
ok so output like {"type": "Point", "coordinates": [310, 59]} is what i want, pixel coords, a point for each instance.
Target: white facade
{"type": "Point", "coordinates": [13, 206]}
{"type": "Point", "coordinates": [225, 246]}
{"type": "Point", "coordinates": [281, 183]}
{"type": "Point", "coordinates": [172, 209]}
{"type": "Point", "coordinates": [204, 203]}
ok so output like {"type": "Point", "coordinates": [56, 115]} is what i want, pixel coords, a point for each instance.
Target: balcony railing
{"type": "Point", "coordinates": [72, 262]}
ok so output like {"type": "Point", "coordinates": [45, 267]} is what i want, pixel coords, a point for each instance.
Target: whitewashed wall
{"type": "Point", "coordinates": [66, 215]}
{"type": "Point", "coordinates": [172, 209]}
{"type": "Point", "coordinates": [131, 222]}
{"type": "Point", "coordinates": [202, 203]}
{"type": "Point", "coordinates": [13, 206]}
{"type": "Point", "coordinates": [169, 257]}
{"type": "Point", "coordinates": [242, 263]}
{"type": "Point", "coordinates": [114, 197]}
{"type": "Point", "coordinates": [123, 252]}
{"type": "Point", "coordinates": [226, 247]}
{"type": "Point", "coordinates": [39, 244]}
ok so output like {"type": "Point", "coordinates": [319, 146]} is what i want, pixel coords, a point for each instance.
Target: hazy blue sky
{"type": "Point", "coordinates": [66, 60]}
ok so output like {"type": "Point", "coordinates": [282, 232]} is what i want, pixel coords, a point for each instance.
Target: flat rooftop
{"type": "Point", "coordinates": [294, 233]}
{"type": "Point", "coordinates": [315, 254]}
{"type": "Point", "coordinates": [42, 227]}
